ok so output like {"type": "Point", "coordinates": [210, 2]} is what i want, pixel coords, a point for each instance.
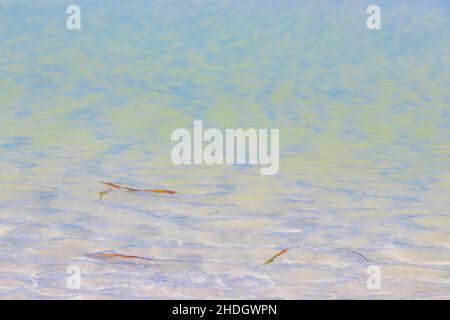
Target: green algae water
{"type": "Point", "coordinates": [364, 120]}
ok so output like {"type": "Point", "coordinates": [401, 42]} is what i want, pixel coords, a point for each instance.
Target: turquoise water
{"type": "Point", "coordinates": [364, 119]}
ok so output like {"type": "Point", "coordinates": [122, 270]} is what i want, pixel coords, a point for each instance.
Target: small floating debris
{"type": "Point", "coordinates": [103, 193]}
{"type": "Point", "coordinates": [116, 186]}
{"type": "Point", "coordinates": [276, 256]}
{"type": "Point", "coordinates": [359, 254]}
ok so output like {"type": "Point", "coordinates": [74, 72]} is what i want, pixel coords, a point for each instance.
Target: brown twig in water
{"type": "Point", "coordinates": [116, 186]}
{"type": "Point", "coordinates": [117, 255]}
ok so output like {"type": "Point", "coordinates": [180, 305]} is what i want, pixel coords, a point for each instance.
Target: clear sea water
{"type": "Point", "coordinates": [364, 119]}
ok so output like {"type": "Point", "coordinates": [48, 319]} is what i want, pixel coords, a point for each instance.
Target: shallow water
{"type": "Point", "coordinates": [364, 123]}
